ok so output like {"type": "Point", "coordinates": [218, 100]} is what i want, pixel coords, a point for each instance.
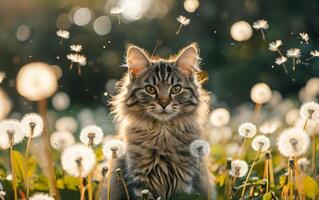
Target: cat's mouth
{"type": "Point", "coordinates": [164, 115]}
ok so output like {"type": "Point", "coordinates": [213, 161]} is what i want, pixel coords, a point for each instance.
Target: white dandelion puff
{"type": "Point", "coordinates": [239, 168]}
{"type": "Point", "coordinates": [310, 111]}
{"type": "Point", "coordinates": [60, 140]}
{"type": "Point", "coordinates": [91, 135]}
{"type": "Point", "coordinates": [293, 142]}
{"type": "Point", "coordinates": [260, 93]}
{"type": "Point", "coordinates": [261, 25]}
{"type": "Point", "coordinates": [269, 127]}
{"type": "Point", "coordinates": [66, 124]}
{"type": "Point", "coordinates": [77, 58]}
{"type": "Point", "coordinates": [117, 11]}
{"type": "Point", "coordinates": [292, 116]}
{"type": "Point", "coordinates": [32, 125]}
{"type": "Point", "coordinates": [274, 46]}
{"type": "Point", "coordinates": [247, 130]}
{"type": "Point", "coordinates": [78, 160]}
{"type": "Point", "coordinates": [41, 196]}
{"type": "Point", "coordinates": [11, 133]}
{"type": "Point", "coordinates": [184, 21]}
{"type": "Point", "coordinates": [304, 37]}
{"type": "Point", "coordinates": [260, 143]}
{"type": "Point", "coordinates": [312, 127]}
{"type": "Point", "coordinates": [220, 117]}
{"type": "Point", "coordinates": [76, 48]}
{"type": "Point", "coordinates": [63, 34]}
{"type": "Point", "coordinates": [199, 148]}
{"type": "Point", "coordinates": [113, 149]}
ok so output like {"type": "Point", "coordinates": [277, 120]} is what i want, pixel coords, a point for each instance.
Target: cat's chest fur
{"type": "Point", "coordinates": [159, 159]}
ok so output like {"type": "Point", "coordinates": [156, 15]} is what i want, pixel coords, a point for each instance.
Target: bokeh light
{"type": "Point", "coordinates": [5, 104]}
{"type": "Point", "coordinates": [191, 5]}
{"type": "Point", "coordinates": [61, 101]}
{"type": "Point", "coordinates": [36, 81]}
{"type": "Point", "coordinates": [102, 25]}
{"type": "Point", "coordinates": [241, 31]}
{"type": "Point", "coordinates": [82, 16]}
{"type": "Point", "coordinates": [23, 32]}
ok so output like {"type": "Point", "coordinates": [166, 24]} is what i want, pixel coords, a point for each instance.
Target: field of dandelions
{"type": "Point", "coordinates": [266, 148]}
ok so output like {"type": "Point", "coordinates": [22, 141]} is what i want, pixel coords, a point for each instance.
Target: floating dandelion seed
{"type": "Point", "coordinates": [91, 135]}
{"type": "Point", "coordinates": [274, 46]}
{"type": "Point", "coordinates": [113, 149]}
{"type": "Point", "coordinates": [63, 34]}
{"type": "Point", "coordinates": [77, 58]}
{"type": "Point", "coordinates": [11, 133]}
{"type": "Point", "coordinates": [117, 11]}
{"type": "Point", "coordinates": [239, 168]}
{"type": "Point", "coordinates": [304, 37]}
{"type": "Point", "coordinates": [281, 61]}
{"type": "Point", "coordinates": [314, 54]}
{"type": "Point", "coordinates": [247, 130]}
{"type": "Point", "coordinates": [184, 21]}
{"type": "Point", "coordinates": [220, 117]}
{"type": "Point", "coordinates": [293, 53]}
{"type": "Point", "coordinates": [293, 142]}
{"type": "Point", "coordinates": [199, 148]}
{"type": "Point", "coordinates": [41, 196]}
{"type": "Point", "coordinates": [60, 140]}
{"type": "Point", "coordinates": [261, 25]}
{"type": "Point", "coordinates": [2, 76]}
{"type": "Point", "coordinates": [260, 143]}
{"type": "Point", "coordinates": [76, 48]}
{"type": "Point", "coordinates": [78, 160]}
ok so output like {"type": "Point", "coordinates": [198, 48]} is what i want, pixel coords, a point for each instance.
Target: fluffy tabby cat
{"type": "Point", "coordinates": [160, 108]}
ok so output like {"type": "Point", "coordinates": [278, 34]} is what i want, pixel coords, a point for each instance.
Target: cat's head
{"type": "Point", "coordinates": [161, 89]}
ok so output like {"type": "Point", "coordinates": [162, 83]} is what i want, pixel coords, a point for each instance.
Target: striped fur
{"type": "Point", "coordinates": [157, 154]}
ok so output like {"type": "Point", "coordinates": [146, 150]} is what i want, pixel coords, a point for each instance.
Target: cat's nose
{"type": "Point", "coordinates": [163, 104]}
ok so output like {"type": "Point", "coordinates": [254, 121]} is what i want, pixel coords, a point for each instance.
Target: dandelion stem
{"type": "Point", "coordinates": [312, 57]}
{"type": "Point", "coordinates": [263, 34]}
{"type": "Point", "coordinates": [293, 64]}
{"type": "Point", "coordinates": [313, 156]}
{"type": "Point", "coordinates": [248, 175]}
{"type": "Point", "coordinates": [257, 110]}
{"type": "Point", "coordinates": [305, 125]}
{"type": "Point", "coordinates": [14, 182]}
{"type": "Point", "coordinates": [285, 68]}
{"type": "Point", "coordinates": [271, 173]}
{"type": "Point", "coordinates": [242, 148]}
{"type": "Point", "coordinates": [98, 191]}
{"type": "Point", "coordinates": [90, 193]}
{"type": "Point", "coordinates": [207, 177]}
{"type": "Point", "coordinates": [27, 182]}
{"type": "Point", "coordinates": [231, 185]}
{"type": "Point", "coordinates": [290, 182]}
{"type": "Point", "coordinates": [109, 181]}
{"type": "Point", "coordinates": [118, 18]}
{"type": "Point", "coordinates": [179, 29]}
{"type": "Point", "coordinates": [266, 173]}
{"type": "Point", "coordinates": [120, 177]}
{"type": "Point", "coordinates": [79, 70]}
{"type": "Point", "coordinates": [82, 189]}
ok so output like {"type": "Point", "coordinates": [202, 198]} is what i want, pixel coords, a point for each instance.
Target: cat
{"type": "Point", "coordinates": [160, 108]}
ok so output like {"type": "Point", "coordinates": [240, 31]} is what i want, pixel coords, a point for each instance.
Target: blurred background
{"type": "Point", "coordinates": [28, 33]}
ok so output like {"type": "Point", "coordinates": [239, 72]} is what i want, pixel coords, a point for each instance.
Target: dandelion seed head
{"type": "Point", "coordinates": [304, 37]}
{"type": "Point", "coordinates": [310, 110]}
{"type": "Point", "coordinates": [274, 46]}
{"type": "Point", "coordinates": [41, 196]}
{"type": "Point", "coordinates": [260, 143]}
{"type": "Point", "coordinates": [91, 135]}
{"type": "Point", "coordinates": [260, 93]}
{"type": "Point", "coordinates": [112, 147]}
{"type": "Point", "coordinates": [183, 20]}
{"type": "Point", "coordinates": [78, 160]}
{"type": "Point", "coordinates": [311, 128]}
{"type": "Point", "coordinates": [116, 10]}
{"type": "Point", "coordinates": [220, 117]}
{"type": "Point", "coordinates": [281, 60]}
{"type": "Point", "coordinates": [314, 53]}
{"type": "Point", "coordinates": [269, 127]}
{"type": "Point", "coordinates": [239, 168]}
{"type": "Point", "coordinates": [10, 128]}
{"type": "Point", "coordinates": [63, 34]}
{"type": "Point", "coordinates": [199, 148]}
{"type": "Point", "coordinates": [293, 142]}
{"type": "Point", "coordinates": [247, 130]}
{"type": "Point", "coordinates": [261, 24]}
{"type": "Point", "coordinates": [32, 123]}
{"type": "Point", "coordinates": [60, 140]}
{"type": "Point", "coordinates": [66, 124]}
{"type": "Point", "coordinates": [294, 53]}
{"type": "Point", "coordinates": [76, 48]}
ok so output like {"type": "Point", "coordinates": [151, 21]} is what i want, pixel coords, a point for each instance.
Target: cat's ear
{"type": "Point", "coordinates": [137, 60]}
{"type": "Point", "coordinates": [188, 59]}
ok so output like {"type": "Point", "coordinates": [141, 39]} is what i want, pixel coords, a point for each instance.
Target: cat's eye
{"type": "Point", "coordinates": [176, 89]}
{"type": "Point", "coordinates": [150, 89]}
